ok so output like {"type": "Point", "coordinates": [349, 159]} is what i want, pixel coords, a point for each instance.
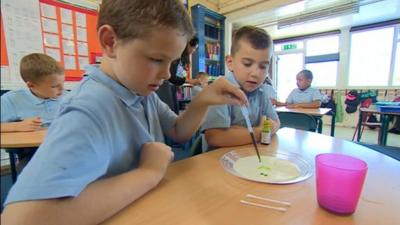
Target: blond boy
{"type": "Point", "coordinates": [33, 107]}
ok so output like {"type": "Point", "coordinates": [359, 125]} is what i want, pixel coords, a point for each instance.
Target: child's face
{"type": "Point", "coordinates": [203, 80]}
{"type": "Point", "coordinates": [51, 86]}
{"type": "Point", "coordinates": [249, 65]}
{"type": "Point", "coordinates": [302, 82]}
{"type": "Point", "coordinates": [142, 64]}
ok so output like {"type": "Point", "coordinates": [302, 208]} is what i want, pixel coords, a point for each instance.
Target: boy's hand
{"type": "Point", "coordinates": [257, 130]}
{"type": "Point", "coordinates": [156, 157]}
{"type": "Point", "coordinates": [221, 92]}
{"type": "Point", "coordinates": [30, 124]}
{"type": "Point", "coordinates": [261, 124]}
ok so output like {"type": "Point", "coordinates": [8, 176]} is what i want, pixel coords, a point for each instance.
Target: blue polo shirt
{"type": "Point", "coordinates": [22, 104]}
{"type": "Point", "coordinates": [225, 116]}
{"type": "Point", "coordinates": [99, 133]}
{"type": "Point", "coordinates": [308, 95]}
{"type": "Point", "coordinates": [269, 91]}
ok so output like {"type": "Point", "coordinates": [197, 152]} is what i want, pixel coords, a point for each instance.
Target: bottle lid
{"type": "Point", "coordinates": [267, 125]}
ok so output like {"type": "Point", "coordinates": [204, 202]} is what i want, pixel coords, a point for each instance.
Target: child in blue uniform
{"type": "Point", "coordinates": [33, 107]}
{"type": "Point", "coordinates": [304, 96]}
{"type": "Point", "coordinates": [248, 65]}
{"type": "Point", "coordinates": [105, 149]}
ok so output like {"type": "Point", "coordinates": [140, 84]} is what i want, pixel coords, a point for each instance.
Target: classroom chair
{"type": "Point", "coordinates": [299, 121]}
{"type": "Point", "coordinates": [364, 122]}
{"type": "Point", "coordinates": [196, 147]}
{"type": "Point", "coordinates": [167, 94]}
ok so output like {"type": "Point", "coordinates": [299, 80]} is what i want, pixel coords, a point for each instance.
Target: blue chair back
{"type": "Point", "coordinates": [299, 121]}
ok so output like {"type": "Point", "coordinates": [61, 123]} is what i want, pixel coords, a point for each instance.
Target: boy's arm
{"type": "Point", "coordinates": [276, 124]}
{"type": "Point", "coordinates": [278, 103]}
{"type": "Point", "coordinates": [218, 93]}
{"type": "Point", "coordinates": [237, 135]}
{"type": "Point", "coordinates": [30, 124]}
{"type": "Point", "coordinates": [310, 105]}
{"type": "Point", "coordinates": [100, 199]}
{"type": "Point", "coordinates": [233, 136]}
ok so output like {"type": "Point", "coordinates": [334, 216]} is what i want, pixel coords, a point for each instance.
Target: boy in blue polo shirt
{"type": "Point", "coordinates": [248, 65]}
{"type": "Point", "coordinates": [34, 107]}
{"type": "Point", "coordinates": [105, 148]}
{"type": "Point", "coordinates": [304, 96]}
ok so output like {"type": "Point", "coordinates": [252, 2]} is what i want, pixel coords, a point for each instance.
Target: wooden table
{"type": "Point", "coordinates": [198, 191]}
{"type": "Point", "coordinates": [317, 113]}
{"type": "Point", "coordinates": [13, 141]}
{"type": "Point", "coordinates": [384, 123]}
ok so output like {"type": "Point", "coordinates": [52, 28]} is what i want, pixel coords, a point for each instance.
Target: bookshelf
{"type": "Point", "coordinates": [210, 56]}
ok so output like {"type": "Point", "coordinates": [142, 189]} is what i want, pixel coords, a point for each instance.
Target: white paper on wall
{"type": "Point", "coordinates": [67, 31]}
{"type": "Point", "coordinates": [69, 47]}
{"type": "Point", "coordinates": [5, 74]}
{"type": "Point", "coordinates": [49, 25]}
{"type": "Point", "coordinates": [81, 34]}
{"type": "Point", "coordinates": [51, 40]}
{"type": "Point", "coordinates": [83, 61]}
{"type": "Point", "coordinates": [21, 20]}
{"type": "Point", "coordinates": [80, 19]}
{"type": "Point", "coordinates": [54, 53]}
{"type": "Point", "coordinates": [66, 16]}
{"type": "Point", "coordinates": [82, 48]}
{"type": "Point", "coordinates": [48, 11]}
{"type": "Point", "coordinates": [69, 62]}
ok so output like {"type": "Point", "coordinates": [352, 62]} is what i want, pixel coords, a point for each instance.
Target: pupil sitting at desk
{"type": "Point", "coordinates": [304, 96]}
{"type": "Point", "coordinates": [33, 107]}
{"type": "Point", "coordinates": [248, 65]}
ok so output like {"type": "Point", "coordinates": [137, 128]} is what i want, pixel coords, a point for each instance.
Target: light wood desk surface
{"type": "Point", "coordinates": [198, 190]}
{"type": "Point", "coordinates": [313, 112]}
{"type": "Point", "coordinates": [22, 139]}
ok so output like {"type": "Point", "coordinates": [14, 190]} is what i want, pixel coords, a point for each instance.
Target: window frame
{"type": "Point", "coordinates": [311, 59]}
{"type": "Point", "coordinates": [396, 33]}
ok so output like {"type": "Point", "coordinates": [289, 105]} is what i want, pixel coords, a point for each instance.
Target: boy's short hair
{"type": "Point", "coordinates": [35, 66]}
{"type": "Point", "coordinates": [257, 37]}
{"type": "Point", "coordinates": [132, 19]}
{"type": "Point", "coordinates": [307, 74]}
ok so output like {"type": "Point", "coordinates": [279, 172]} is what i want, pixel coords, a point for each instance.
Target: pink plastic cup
{"type": "Point", "coordinates": [340, 179]}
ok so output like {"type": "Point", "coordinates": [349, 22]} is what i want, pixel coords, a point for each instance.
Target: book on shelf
{"type": "Point", "coordinates": [213, 51]}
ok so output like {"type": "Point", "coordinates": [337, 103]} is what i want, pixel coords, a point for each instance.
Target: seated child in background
{"type": "Point", "coordinates": [202, 79]}
{"type": "Point", "coordinates": [105, 148]}
{"type": "Point", "coordinates": [304, 96]}
{"type": "Point", "coordinates": [248, 65]}
{"type": "Point", "coordinates": [35, 106]}
{"type": "Point", "coordinates": [270, 91]}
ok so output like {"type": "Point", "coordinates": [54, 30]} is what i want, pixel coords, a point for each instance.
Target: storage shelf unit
{"type": "Point", "coordinates": [210, 56]}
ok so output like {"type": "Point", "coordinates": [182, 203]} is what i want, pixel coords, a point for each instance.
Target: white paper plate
{"type": "Point", "coordinates": [228, 160]}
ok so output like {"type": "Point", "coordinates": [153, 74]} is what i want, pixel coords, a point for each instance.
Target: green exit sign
{"type": "Point", "coordinates": [289, 47]}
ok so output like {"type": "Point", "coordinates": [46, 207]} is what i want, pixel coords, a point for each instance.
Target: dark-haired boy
{"type": "Point", "coordinates": [304, 96]}
{"type": "Point", "coordinates": [248, 65]}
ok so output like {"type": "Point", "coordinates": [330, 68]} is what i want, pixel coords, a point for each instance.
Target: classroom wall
{"type": "Point", "coordinates": [26, 28]}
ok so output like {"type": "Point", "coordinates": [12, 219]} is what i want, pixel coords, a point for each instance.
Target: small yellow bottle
{"type": "Point", "coordinates": [266, 132]}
